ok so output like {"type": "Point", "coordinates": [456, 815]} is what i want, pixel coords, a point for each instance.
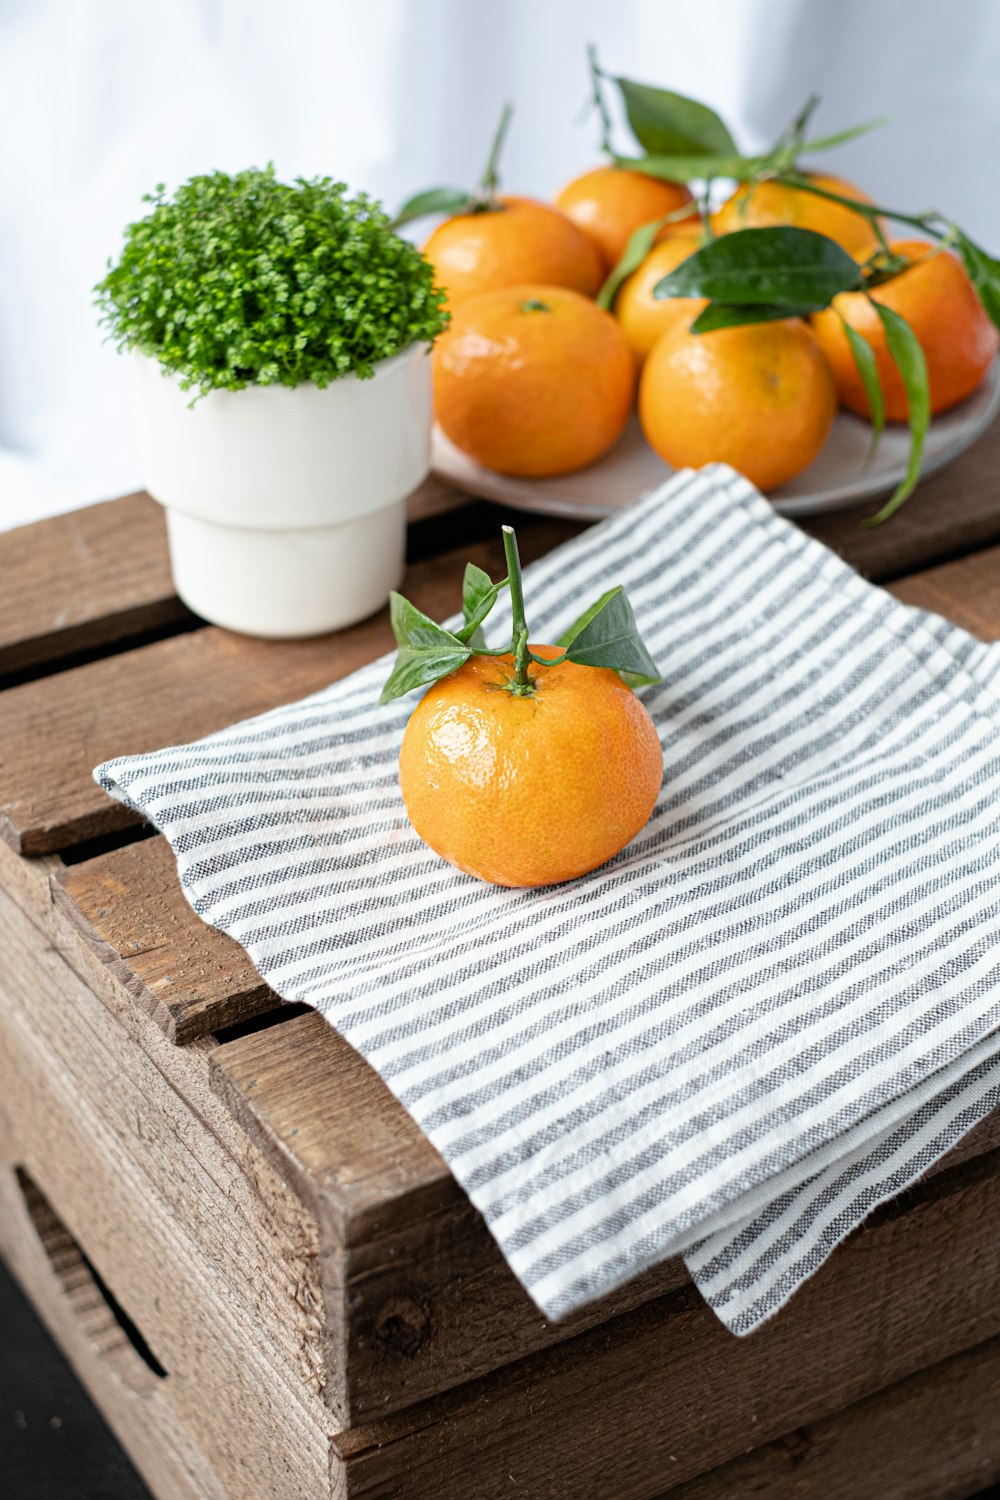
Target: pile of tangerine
{"type": "Point", "coordinates": [533, 379]}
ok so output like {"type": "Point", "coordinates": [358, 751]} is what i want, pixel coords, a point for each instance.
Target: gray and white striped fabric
{"type": "Point", "coordinates": [769, 1013]}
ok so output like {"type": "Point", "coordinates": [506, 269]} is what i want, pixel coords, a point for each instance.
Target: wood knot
{"type": "Point", "coordinates": [797, 1446]}
{"type": "Point", "coordinates": [403, 1326]}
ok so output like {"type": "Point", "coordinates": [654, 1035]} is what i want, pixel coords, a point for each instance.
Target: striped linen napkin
{"type": "Point", "coordinates": [772, 1011]}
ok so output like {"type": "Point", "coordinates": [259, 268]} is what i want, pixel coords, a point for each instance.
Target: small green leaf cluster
{"type": "Point", "coordinates": [244, 280]}
{"type": "Point", "coordinates": [449, 200]}
{"type": "Point", "coordinates": [605, 635]}
{"type": "Point", "coordinates": [683, 140]}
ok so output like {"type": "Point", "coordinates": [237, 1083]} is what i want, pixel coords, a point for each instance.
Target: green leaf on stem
{"type": "Point", "coordinates": [841, 137]}
{"type": "Point", "coordinates": [688, 168]}
{"type": "Point", "coordinates": [667, 124]}
{"type": "Point", "coordinates": [727, 315]}
{"type": "Point", "coordinates": [606, 635]}
{"type": "Point", "coordinates": [569, 636]}
{"type": "Point", "coordinates": [908, 357]}
{"type": "Point", "coordinates": [783, 266]}
{"type": "Point", "coordinates": [640, 242]}
{"type": "Point", "coordinates": [426, 651]}
{"type": "Point", "coordinates": [984, 273]}
{"type": "Point", "coordinates": [440, 200]}
{"type": "Point", "coordinates": [479, 594]}
{"type": "Point", "coordinates": [867, 367]}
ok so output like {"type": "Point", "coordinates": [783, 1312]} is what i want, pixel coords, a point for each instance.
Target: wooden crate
{"type": "Point", "coordinates": [264, 1274]}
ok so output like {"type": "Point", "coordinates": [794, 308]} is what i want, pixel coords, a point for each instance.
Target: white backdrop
{"type": "Point", "coordinates": [101, 99]}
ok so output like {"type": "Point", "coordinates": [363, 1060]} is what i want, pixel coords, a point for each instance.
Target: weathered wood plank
{"type": "Point", "coordinates": [414, 1246]}
{"type": "Point", "coordinates": [101, 574]}
{"type": "Point", "coordinates": [106, 1082]}
{"type": "Point", "coordinates": [128, 905]}
{"type": "Point", "coordinates": [680, 1395]}
{"type": "Point", "coordinates": [47, 801]}
{"type": "Point", "coordinates": [89, 1121]}
{"type": "Point", "coordinates": [650, 1381]}
{"type": "Point", "coordinates": [952, 512]}
{"type": "Point", "coordinates": [27, 882]}
{"type": "Point", "coordinates": [96, 576]}
{"type": "Point", "coordinates": [967, 591]}
{"type": "Point", "coordinates": [82, 580]}
{"type": "Point", "coordinates": [935, 1436]}
{"type": "Point", "coordinates": [145, 1421]}
{"type": "Point", "coordinates": [54, 731]}
{"type": "Point", "coordinates": [333, 1129]}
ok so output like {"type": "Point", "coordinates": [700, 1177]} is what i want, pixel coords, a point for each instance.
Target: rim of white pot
{"type": "Point", "coordinates": [379, 367]}
{"type": "Point", "coordinates": [280, 457]}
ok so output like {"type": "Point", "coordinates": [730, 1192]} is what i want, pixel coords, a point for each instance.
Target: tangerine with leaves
{"type": "Point", "coordinates": [533, 380]}
{"type": "Point", "coordinates": [761, 397]}
{"type": "Point", "coordinates": [764, 204]}
{"type": "Point", "coordinates": [490, 240]}
{"type": "Point", "coordinates": [937, 299]}
{"type": "Point", "coordinates": [610, 203]}
{"type": "Point", "coordinates": [529, 766]}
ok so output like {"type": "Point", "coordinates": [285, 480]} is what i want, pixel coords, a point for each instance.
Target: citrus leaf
{"type": "Point", "coordinates": [426, 651]}
{"type": "Point", "coordinates": [640, 242]}
{"type": "Point", "coordinates": [606, 635]}
{"type": "Point", "coordinates": [726, 315]}
{"type": "Point", "coordinates": [479, 594]}
{"type": "Point", "coordinates": [908, 357]}
{"type": "Point", "coordinates": [665, 123]}
{"type": "Point", "coordinates": [440, 200]}
{"type": "Point", "coordinates": [984, 273]}
{"type": "Point", "coordinates": [867, 367]}
{"type": "Point", "coordinates": [673, 167]}
{"type": "Point", "coordinates": [569, 636]}
{"type": "Point", "coordinates": [784, 266]}
{"type": "Point", "coordinates": [476, 586]}
{"type": "Point", "coordinates": [841, 137]}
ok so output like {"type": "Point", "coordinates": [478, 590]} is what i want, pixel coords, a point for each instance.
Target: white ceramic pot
{"type": "Point", "coordinates": [286, 506]}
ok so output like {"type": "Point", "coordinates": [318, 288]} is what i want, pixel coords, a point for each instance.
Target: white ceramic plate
{"type": "Point", "coordinates": [838, 478]}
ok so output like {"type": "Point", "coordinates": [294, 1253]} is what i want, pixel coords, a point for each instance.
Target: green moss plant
{"type": "Point", "coordinates": [244, 280]}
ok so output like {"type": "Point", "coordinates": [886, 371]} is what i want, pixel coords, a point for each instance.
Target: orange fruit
{"type": "Point", "coordinates": [643, 317]}
{"type": "Point", "coordinates": [609, 203]}
{"type": "Point", "coordinates": [761, 397]}
{"type": "Point", "coordinates": [529, 791]}
{"type": "Point", "coordinates": [938, 300]}
{"type": "Point", "coordinates": [533, 380]}
{"type": "Point", "coordinates": [521, 240]}
{"type": "Point", "coordinates": [763, 204]}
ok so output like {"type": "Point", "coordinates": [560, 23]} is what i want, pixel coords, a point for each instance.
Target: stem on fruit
{"type": "Point", "coordinates": [795, 133]}
{"type": "Point", "coordinates": [521, 684]}
{"type": "Point", "coordinates": [598, 99]}
{"type": "Point", "coordinates": [490, 181]}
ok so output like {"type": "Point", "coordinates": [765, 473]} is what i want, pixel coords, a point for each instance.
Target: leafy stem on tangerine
{"type": "Point", "coordinates": [521, 685]}
{"type": "Point", "coordinates": [605, 635]}
{"type": "Point", "coordinates": [485, 196]}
